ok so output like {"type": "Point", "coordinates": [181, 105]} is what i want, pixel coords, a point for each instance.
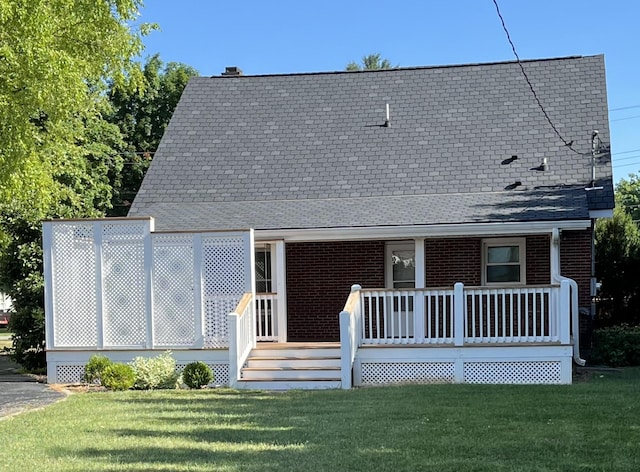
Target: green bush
{"type": "Point", "coordinates": [197, 375]}
{"type": "Point", "coordinates": [118, 377]}
{"type": "Point", "coordinates": [156, 372]}
{"type": "Point", "coordinates": [95, 368]}
{"type": "Point", "coordinates": [616, 346]}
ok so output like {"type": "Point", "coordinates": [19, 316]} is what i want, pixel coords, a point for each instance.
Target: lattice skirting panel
{"type": "Point", "coordinates": [73, 371]}
{"type": "Point", "coordinates": [517, 372]}
{"type": "Point", "coordinates": [377, 373]}
{"type": "Point", "coordinates": [220, 372]}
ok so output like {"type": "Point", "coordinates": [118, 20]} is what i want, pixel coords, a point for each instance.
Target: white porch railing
{"type": "Point", "coordinates": [473, 315]}
{"type": "Point", "coordinates": [350, 325]}
{"type": "Point", "coordinates": [241, 336]}
{"type": "Point", "coordinates": [266, 317]}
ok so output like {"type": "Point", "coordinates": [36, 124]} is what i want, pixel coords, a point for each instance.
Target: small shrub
{"type": "Point", "coordinates": [156, 372]}
{"type": "Point", "coordinates": [118, 377]}
{"type": "Point", "coordinates": [197, 375]}
{"type": "Point", "coordinates": [616, 346]}
{"type": "Point", "coordinates": [95, 368]}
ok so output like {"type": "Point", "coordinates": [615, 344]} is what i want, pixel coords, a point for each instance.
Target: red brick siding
{"type": "Point", "coordinates": [460, 260]}
{"type": "Point", "coordinates": [319, 278]}
{"type": "Point", "coordinates": [575, 262]}
{"type": "Point", "coordinates": [453, 260]}
{"type": "Point", "coordinates": [538, 260]}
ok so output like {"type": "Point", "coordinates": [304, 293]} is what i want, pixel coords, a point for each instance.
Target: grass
{"type": "Point", "coordinates": [588, 426]}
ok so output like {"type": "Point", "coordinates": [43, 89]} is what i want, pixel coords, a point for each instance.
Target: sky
{"type": "Point", "coordinates": [286, 36]}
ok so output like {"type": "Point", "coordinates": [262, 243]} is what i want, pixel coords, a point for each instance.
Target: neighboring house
{"type": "Point", "coordinates": [443, 195]}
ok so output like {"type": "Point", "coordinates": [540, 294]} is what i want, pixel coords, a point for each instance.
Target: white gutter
{"type": "Point", "coordinates": [556, 277]}
{"type": "Point", "coordinates": [413, 231]}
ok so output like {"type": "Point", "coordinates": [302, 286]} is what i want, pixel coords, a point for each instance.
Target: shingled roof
{"type": "Point", "coordinates": [311, 150]}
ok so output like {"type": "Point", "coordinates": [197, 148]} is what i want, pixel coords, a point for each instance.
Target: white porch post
{"type": "Point", "coordinates": [458, 314]}
{"type": "Point", "coordinates": [234, 368]}
{"type": "Point", "coordinates": [281, 290]}
{"type": "Point", "coordinates": [345, 349]}
{"type": "Point", "coordinates": [148, 275]}
{"type": "Point", "coordinates": [97, 247]}
{"type": "Point", "coordinates": [418, 302]}
{"type": "Point", "coordinates": [564, 314]}
{"type": "Point", "coordinates": [47, 243]}
{"type": "Point", "coordinates": [197, 290]}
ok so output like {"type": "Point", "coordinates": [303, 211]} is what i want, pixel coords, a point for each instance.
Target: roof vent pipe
{"type": "Point", "coordinates": [387, 121]}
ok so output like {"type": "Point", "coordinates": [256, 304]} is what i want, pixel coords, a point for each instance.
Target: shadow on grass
{"type": "Point", "coordinates": [445, 428]}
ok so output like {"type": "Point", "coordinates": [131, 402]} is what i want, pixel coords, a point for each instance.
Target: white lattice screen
{"type": "Point", "coordinates": [174, 320]}
{"type": "Point", "coordinates": [123, 285]}
{"type": "Point", "coordinates": [376, 373]}
{"type": "Point", "coordinates": [224, 281]}
{"type": "Point", "coordinates": [73, 265]}
{"type": "Point", "coordinates": [522, 372]}
{"type": "Point", "coordinates": [100, 274]}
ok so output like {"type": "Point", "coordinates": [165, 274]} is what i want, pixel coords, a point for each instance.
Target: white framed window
{"type": "Point", "coordinates": [400, 265]}
{"type": "Point", "coordinates": [504, 261]}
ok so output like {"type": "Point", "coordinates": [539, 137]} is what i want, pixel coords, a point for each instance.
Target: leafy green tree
{"type": "Point", "coordinates": [617, 263]}
{"type": "Point", "coordinates": [58, 157]}
{"type": "Point", "coordinates": [142, 116]}
{"type": "Point", "coordinates": [55, 59]}
{"type": "Point", "coordinates": [371, 62]}
{"type": "Point", "coordinates": [628, 196]}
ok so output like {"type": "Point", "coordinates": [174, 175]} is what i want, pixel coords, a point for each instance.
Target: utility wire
{"type": "Point", "coordinates": [569, 144]}
{"type": "Point", "coordinates": [627, 118]}
{"type": "Point", "coordinates": [624, 108]}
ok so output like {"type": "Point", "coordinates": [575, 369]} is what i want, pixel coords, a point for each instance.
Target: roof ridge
{"type": "Point", "coordinates": [395, 69]}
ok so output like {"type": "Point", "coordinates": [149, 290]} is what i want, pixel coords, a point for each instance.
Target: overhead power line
{"type": "Point", "coordinates": [624, 108]}
{"type": "Point", "coordinates": [569, 144]}
{"type": "Point", "coordinates": [627, 118]}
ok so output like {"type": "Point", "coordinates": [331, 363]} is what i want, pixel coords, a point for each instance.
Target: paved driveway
{"type": "Point", "coordinates": [21, 392]}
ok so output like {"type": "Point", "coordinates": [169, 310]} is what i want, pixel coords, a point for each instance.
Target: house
{"type": "Point", "coordinates": [428, 224]}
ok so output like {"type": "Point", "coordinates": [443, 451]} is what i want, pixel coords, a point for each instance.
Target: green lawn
{"type": "Point", "coordinates": [5, 339]}
{"type": "Point", "coordinates": [588, 426]}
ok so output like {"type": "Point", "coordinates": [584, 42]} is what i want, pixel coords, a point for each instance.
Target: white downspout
{"type": "Point", "coordinates": [556, 277]}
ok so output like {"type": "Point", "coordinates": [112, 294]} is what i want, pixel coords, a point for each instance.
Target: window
{"type": "Point", "coordinates": [401, 265]}
{"type": "Point", "coordinates": [503, 261]}
{"type": "Point", "coordinates": [263, 269]}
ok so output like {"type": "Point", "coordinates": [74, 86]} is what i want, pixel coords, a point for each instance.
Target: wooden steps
{"type": "Point", "coordinates": [286, 366]}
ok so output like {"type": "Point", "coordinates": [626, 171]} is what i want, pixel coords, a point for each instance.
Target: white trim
{"type": "Point", "coordinates": [500, 242]}
{"type": "Point", "coordinates": [281, 289]}
{"type": "Point", "coordinates": [601, 213]}
{"type": "Point", "coordinates": [427, 231]}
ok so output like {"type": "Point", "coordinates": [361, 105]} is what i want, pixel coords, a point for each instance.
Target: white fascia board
{"type": "Point", "coordinates": [426, 231]}
{"type": "Point", "coordinates": [601, 213]}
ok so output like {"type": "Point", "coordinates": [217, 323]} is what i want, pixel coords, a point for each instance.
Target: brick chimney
{"type": "Point", "coordinates": [232, 72]}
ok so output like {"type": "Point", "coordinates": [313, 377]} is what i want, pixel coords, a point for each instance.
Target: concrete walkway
{"type": "Point", "coordinates": [19, 392]}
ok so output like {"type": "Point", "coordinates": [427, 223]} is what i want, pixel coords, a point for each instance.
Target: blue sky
{"type": "Point", "coordinates": [284, 36]}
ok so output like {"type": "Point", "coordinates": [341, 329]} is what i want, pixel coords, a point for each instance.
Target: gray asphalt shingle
{"type": "Point", "coordinates": [308, 150]}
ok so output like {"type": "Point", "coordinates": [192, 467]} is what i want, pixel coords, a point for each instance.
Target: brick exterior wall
{"type": "Point", "coordinates": [575, 262]}
{"type": "Point", "coordinates": [320, 274]}
{"type": "Point", "coordinates": [539, 260]}
{"type": "Point", "coordinates": [454, 260]}
{"type": "Point", "coordinates": [319, 279]}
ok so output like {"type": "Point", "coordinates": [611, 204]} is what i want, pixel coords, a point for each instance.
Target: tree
{"type": "Point", "coordinates": [628, 196]}
{"type": "Point", "coordinates": [142, 116]}
{"type": "Point", "coordinates": [57, 154]}
{"type": "Point", "coordinates": [617, 262]}
{"type": "Point", "coordinates": [55, 59]}
{"type": "Point", "coordinates": [371, 62]}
